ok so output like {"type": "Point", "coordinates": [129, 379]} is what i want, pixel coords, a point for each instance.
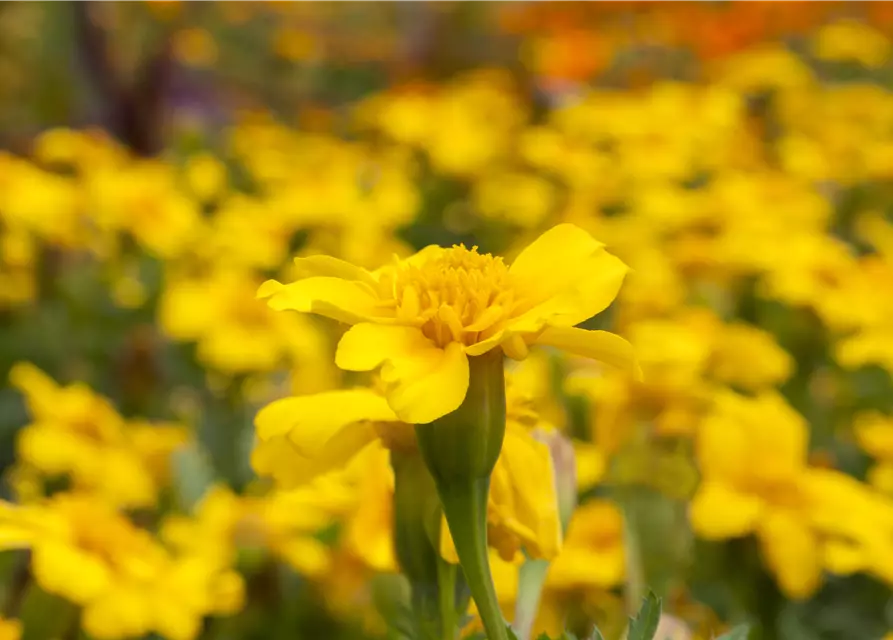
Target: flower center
{"type": "Point", "coordinates": [456, 295]}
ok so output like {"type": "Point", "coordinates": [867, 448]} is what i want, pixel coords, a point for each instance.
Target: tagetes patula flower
{"type": "Point", "coordinates": [874, 432]}
{"type": "Point", "coordinates": [284, 525]}
{"type": "Point", "coordinates": [10, 629]}
{"type": "Point", "coordinates": [144, 199]}
{"type": "Point", "coordinates": [236, 334]}
{"type": "Point", "coordinates": [591, 562]}
{"type": "Point", "coordinates": [77, 433]}
{"type": "Point", "coordinates": [422, 318]}
{"type": "Point", "coordinates": [737, 497]}
{"type": "Point", "coordinates": [306, 436]}
{"type": "Point", "coordinates": [127, 584]}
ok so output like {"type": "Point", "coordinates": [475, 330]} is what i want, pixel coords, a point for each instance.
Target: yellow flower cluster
{"type": "Point", "coordinates": [745, 215]}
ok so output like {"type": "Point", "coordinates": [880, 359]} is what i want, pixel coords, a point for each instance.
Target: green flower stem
{"type": "Point", "coordinates": [446, 584]}
{"type": "Point", "coordinates": [460, 450]}
{"type": "Point", "coordinates": [417, 521]}
{"type": "Point", "coordinates": [465, 507]}
{"type": "Point", "coordinates": [531, 577]}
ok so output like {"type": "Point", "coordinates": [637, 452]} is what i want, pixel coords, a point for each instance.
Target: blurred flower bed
{"type": "Point", "coordinates": [737, 156]}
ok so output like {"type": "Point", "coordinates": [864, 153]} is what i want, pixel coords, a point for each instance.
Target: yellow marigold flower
{"type": "Point", "coordinates": [127, 584]}
{"type": "Point", "coordinates": [421, 318]}
{"type": "Point", "coordinates": [236, 334]}
{"type": "Point", "coordinates": [521, 198]}
{"type": "Point", "coordinates": [195, 47]}
{"type": "Point", "coordinates": [35, 199]}
{"type": "Point", "coordinates": [10, 629]}
{"type": "Point", "coordinates": [369, 528]}
{"type": "Point", "coordinates": [874, 432]}
{"type": "Point", "coordinates": [737, 497]}
{"type": "Point", "coordinates": [848, 40]}
{"type": "Point", "coordinates": [283, 524]}
{"type": "Point", "coordinates": [206, 176]}
{"type": "Point", "coordinates": [749, 357]}
{"type": "Point", "coordinates": [592, 561]}
{"type": "Point", "coordinates": [77, 433]}
{"type": "Point", "coordinates": [144, 199]}
{"type": "Point", "coordinates": [593, 555]}
{"type": "Point", "coordinates": [305, 436]}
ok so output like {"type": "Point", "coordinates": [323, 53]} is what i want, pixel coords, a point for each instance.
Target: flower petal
{"type": "Point", "coordinates": [561, 248]}
{"type": "Point", "coordinates": [327, 266]}
{"type": "Point", "coordinates": [427, 385]}
{"type": "Point", "coordinates": [791, 551]}
{"type": "Point", "coordinates": [312, 420]}
{"type": "Point", "coordinates": [718, 511]}
{"type": "Point", "coordinates": [366, 346]}
{"type": "Point", "coordinates": [342, 300]}
{"type": "Point", "coordinates": [600, 345]}
{"type": "Point", "coordinates": [576, 296]}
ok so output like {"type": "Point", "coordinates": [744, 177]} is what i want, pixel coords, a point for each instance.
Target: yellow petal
{"type": "Point", "coordinates": [366, 346]}
{"type": "Point", "coordinates": [576, 297]}
{"type": "Point", "coordinates": [562, 248]}
{"type": "Point", "coordinates": [532, 480]}
{"type": "Point", "coordinates": [342, 300]}
{"type": "Point", "coordinates": [327, 266]}
{"type": "Point", "coordinates": [718, 512]}
{"type": "Point", "coordinates": [306, 555]}
{"type": "Point", "coordinates": [427, 385]}
{"type": "Point", "coordinates": [312, 420]}
{"type": "Point", "coordinates": [600, 345]}
{"type": "Point", "coordinates": [791, 551]}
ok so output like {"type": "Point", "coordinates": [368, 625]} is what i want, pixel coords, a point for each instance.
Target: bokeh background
{"type": "Point", "coordinates": [158, 160]}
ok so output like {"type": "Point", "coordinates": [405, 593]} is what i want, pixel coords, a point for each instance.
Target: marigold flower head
{"type": "Point", "coordinates": [126, 582]}
{"type": "Point", "coordinates": [421, 318]}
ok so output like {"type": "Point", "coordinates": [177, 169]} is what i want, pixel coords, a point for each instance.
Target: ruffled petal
{"type": "Point", "coordinates": [310, 421]}
{"type": "Point", "coordinates": [428, 384]}
{"type": "Point", "coordinates": [329, 267]}
{"type": "Point", "coordinates": [553, 260]}
{"type": "Point", "coordinates": [342, 300]}
{"type": "Point", "coordinates": [577, 296]}
{"type": "Point", "coordinates": [599, 345]}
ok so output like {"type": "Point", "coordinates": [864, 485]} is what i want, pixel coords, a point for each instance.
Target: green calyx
{"type": "Point", "coordinates": [460, 450]}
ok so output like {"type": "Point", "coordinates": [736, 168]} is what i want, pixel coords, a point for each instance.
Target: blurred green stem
{"type": "Point", "coordinates": [531, 577]}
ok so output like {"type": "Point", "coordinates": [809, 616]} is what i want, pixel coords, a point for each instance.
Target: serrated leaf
{"type": "Point", "coordinates": [738, 633]}
{"type": "Point", "coordinates": [644, 625]}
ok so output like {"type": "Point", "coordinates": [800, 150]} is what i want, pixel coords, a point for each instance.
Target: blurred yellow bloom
{"type": "Point", "coordinates": [206, 176]}
{"type": "Point", "coordinates": [10, 629]}
{"type": "Point", "coordinates": [874, 432]}
{"type": "Point", "coordinates": [305, 436]}
{"type": "Point", "coordinates": [591, 562]}
{"type": "Point", "coordinates": [421, 318]}
{"type": "Point", "coordinates": [851, 41]}
{"type": "Point", "coordinates": [127, 584]}
{"type": "Point", "coordinates": [143, 199]}
{"type": "Point", "coordinates": [235, 333]}
{"type": "Point", "coordinates": [195, 47]}
{"type": "Point", "coordinates": [79, 434]}
{"type": "Point", "coordinates": [283, 524]}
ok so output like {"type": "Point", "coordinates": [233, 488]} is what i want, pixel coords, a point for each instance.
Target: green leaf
{"type": "Point", "coordinates": [644, 625]}
{"type": "Point", "coordinates": [738, 633]}
{"type": "Point", "coordinates": [596, 635]}
{"type": "Point", "coordinates": [511, 632]}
